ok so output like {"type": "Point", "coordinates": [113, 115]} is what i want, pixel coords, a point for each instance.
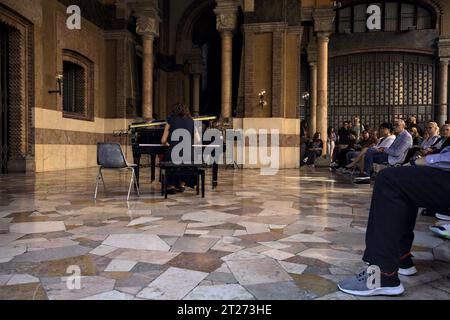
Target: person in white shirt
{"type": "Point", "coordinates": [385, 141]}
{"type": "Point", "coordinates": [433, 138]}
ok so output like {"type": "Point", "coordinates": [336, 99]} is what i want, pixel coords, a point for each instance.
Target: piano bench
{"type": "Point", "coordinates": [167, 168]}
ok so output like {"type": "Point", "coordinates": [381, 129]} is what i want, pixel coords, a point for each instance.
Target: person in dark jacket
{"type": "Point", "coordinates": [179, 118]}
{"type": "Point", "coordinates": [313, 150]}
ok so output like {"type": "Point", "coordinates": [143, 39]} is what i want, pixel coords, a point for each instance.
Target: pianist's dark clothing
{"type": "Point", "coordinates": [175, 123]}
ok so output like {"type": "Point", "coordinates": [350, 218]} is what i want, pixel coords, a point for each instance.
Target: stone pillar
{"type": "Point", "coordinates": [442, 112]}
{"type": "Point", "coordinates": [313, 99]}
{"type": "Point", "coordinates": [147, 78]}
{"type": "Point", "coordinates": [196, 67]}
{"type": "Point", "coordinates": [323, 26]}
{"type": "Point", "coordinates": [148, 27]}
{"type": "Point", "coordinates": [196, 94]}
{"type": "Point", "coordinates": [322, 87]}
{"type": "Point", "coordinates": [226, 13]}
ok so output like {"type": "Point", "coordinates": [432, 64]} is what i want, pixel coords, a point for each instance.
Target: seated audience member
{"type": "Point", "coordinates": [445, 141]}
{"type": "Point", "coordinates": [386, 140]}
{"type": "Point", "coordinates": [313, 150]}
{"type": "Point", "coordinates": [412, 123]}
{"type": "Point", "coordinates": [343, 136]}
{"type": "Point", "coordinates": [397, 195]}
{"type": "Point", "coordinates": [367, 141]}
{"type": "Point", "coordinates": [417, 139]}
{"type": "Point", "coordinates": [393, 155]}
{"type": "Point", "coordinates": [178, 119]}
{"type": "Point", "coordinates": [433, 139]}
{"type": "Point", "coordinates": [341, 158]}
{"type": "Point", "coordinates": [429, 145]}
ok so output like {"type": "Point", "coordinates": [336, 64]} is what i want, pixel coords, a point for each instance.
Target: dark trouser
{"type": "Point", "coordinates": [311, 155]}
{"type": "Point", "coordinates": [373, 156]}
{"type": "Point", "coordinates": [397, 195]}
{"type": "Point", "coordinates": [303, 148]}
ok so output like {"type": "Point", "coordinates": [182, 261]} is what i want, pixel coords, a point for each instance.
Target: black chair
{"type": "Point", "coordinates": [110, 156]}
{"type": "Point", "coordinates": [170, 168]}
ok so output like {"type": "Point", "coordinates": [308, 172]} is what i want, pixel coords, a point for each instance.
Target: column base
{"type": "Point", "coordinates": [22, 165]}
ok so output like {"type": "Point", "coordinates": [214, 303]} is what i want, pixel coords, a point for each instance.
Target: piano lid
{"type": "Point", "coordinates": [161, 122]}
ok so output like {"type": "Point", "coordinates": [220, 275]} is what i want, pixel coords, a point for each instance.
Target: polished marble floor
{"type": "Point", "coordinates": [289, 236]}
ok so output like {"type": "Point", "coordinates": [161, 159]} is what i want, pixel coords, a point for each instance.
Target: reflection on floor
{"type": "Point", "coordinates": [290, 236]}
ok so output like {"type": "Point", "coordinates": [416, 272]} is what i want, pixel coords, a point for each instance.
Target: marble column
{"type": "Point", "coordinates": [148, 27]}
{"type": "Point", "coordinates": [147, 78]}
{"type": "Point", "coordinates": [313, 100]}
{"type": "Point", "coordinates": [322, 86]}
{"type": "Point", "coordinates": [227, 73]}
{"type": "Point", "coordinates": [196, 94]}
{"type": "Point", "coordinates": [442, 112]}
{"type": "Point", "coordinates": [323, 27]}
{"type": "Point", "coordinates": [226, 13]}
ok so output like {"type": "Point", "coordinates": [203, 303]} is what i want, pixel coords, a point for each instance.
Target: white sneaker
{"type": "Point", "coordinates": [442, 231]}
{"type": "Point", "coordinates": [441, 216]}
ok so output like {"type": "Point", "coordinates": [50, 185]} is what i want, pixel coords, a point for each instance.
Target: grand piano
{"type": "Point", "coordinates": [146, 140]}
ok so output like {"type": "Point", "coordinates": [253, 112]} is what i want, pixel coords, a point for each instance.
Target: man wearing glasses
{"type": "Point", "coordinates": [393, 155]}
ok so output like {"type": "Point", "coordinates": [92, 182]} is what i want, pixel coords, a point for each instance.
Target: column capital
{"type": "Point", "coordinates": [444, 48]}
{"type": "Point", "coordinates": [148, 19]}
{"type": "Point", "coordinates": [324, 20]}
{"type": "Point", "coordinates": [148, 27]}
{"type": "Point", "coordinates": [226, 13]}
{"type": "Point", "coordinates": [444, 61]}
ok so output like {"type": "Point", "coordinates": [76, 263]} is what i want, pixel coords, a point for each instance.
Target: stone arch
{"type": "Point", "coordinates": [21, 90]}
{"type": "Point", "coordinates": [186, 25]}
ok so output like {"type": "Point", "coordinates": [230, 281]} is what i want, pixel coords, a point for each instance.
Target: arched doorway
{"type": "Point", "coordinates": [207, 38]}
{"type": "Point", "coordinates": [4, 123]}
{"type": "Point", "coordinates": [16, 92]}
{"type": "Point", "coordinates": [197, 33]}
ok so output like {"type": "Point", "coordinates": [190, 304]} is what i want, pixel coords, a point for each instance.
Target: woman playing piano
{"type": "Point", "coordinates": [179, 118]}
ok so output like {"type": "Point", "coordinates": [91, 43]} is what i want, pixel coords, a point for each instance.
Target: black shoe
{"type": "Point", "coordinates": [172, 191]}
{"type": "Point", "coordinates": [407, 267]}
{"type": "Point", "coordinates": [180, 189]}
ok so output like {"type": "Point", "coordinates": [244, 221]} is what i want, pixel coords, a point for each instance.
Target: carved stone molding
{"type": "Point", "coordinates": [226, 13]}
{"type": "Point", "coordinates": [148, 19]}
{"type": "Point", "coordinates": [148, 26]}
{"type": "Point", "coordinates": [444, 48]}
{"type": "Point", "coordinates": [323, 20]}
